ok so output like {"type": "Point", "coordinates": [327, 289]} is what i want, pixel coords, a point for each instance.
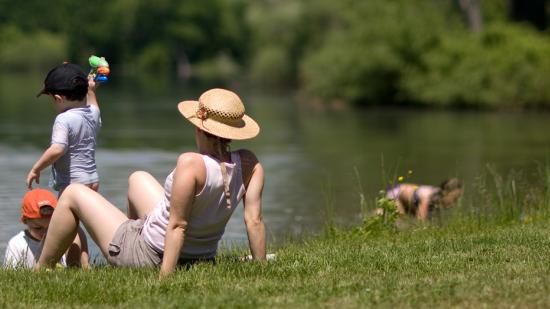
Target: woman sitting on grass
{"type": "Point", "coordinates": [182, 222]}
{"type": "Point", "coordinates": [421, 200]}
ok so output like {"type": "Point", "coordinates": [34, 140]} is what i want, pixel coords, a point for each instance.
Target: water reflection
{"type": "Point", "coordinates": [312, 159]}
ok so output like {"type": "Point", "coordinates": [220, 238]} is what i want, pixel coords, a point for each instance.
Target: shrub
{"type": "Point", "coordinates": [217, 70]}
{"type": "Point", "coordinates": [421, 53]}
{"type": "Point", "coordinates": [505, 66]}
{"type": "Point", "coordinates": [362, 60]}
{"type": "Point", "coordinates": [30, 51]}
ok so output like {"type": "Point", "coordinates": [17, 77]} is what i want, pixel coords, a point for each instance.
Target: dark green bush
{"type": "Point", "coordinates": [35, 51]}
{"type": "Point", "coordinates": [362, 61]}
{"type": "Point", "coordinates": [421, 53]}
{"type": "Point", "coordinates": [505, 66]}
{"type": "Point", "coordinates": [358, 52]}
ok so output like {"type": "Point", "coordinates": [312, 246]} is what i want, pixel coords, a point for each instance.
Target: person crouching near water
{"type": "Point", "coordinates": [420, 201]}
{"type": "Point", "coordinates": [183, 222]}
{"type": "Point", "coordinates": [24, 248]}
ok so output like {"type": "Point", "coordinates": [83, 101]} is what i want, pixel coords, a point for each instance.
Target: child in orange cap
{"type": "Point", "coordinates": [24, 248]}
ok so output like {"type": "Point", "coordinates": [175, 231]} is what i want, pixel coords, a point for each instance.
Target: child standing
{"type": "Point", "coordinates": [24, 248]}
{"type": "Point", "coordinates": [75, 129]}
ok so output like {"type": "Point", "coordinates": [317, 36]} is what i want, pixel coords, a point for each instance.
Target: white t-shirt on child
{"type": "Point", "coordinates": [23, 251]}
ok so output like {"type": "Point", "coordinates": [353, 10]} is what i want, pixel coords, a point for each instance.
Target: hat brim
{"type": "Point", "coordinates": [245, 129]}
{"type": "Point", "coordinates": [43, 91]}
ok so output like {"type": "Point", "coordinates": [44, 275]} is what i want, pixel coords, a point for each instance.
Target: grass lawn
{"type": "Point", "coordinates": [458, 265]}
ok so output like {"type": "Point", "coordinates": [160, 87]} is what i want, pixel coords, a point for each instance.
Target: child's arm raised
{"type": "Point", "coordinates": [52, 154]}
{"type": "Point", "coordinates": [91, 98]}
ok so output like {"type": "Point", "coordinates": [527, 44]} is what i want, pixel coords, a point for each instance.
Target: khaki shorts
{"type": "Point", "coordinates": [129, 249]}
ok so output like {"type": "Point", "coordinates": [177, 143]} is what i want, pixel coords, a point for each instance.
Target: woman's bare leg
{"type": "Point", "coordinates": [79, 203]}
{"type": "Point", "coordinates": [94, 186]}
{"type": "Point", "coordinates": [144, 193]}
{"type": "Point", "coordinates": [77, 255]}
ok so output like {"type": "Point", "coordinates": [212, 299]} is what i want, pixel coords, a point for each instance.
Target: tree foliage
{"type": "Point", "coordinates": [363, 52]}
{"type": "Point", "coordinates": [151, 36]}
{"type": "Point", "coordinates": [420, 53]}
{"type": "Point", "coordinates": [502, 67]}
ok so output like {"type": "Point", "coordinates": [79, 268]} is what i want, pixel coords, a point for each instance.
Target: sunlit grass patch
{"type": "Point", "coordinates": [493, 258]}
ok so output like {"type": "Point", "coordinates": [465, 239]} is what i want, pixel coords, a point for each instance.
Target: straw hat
{"type": "Point", "coordinates": [220, 112]}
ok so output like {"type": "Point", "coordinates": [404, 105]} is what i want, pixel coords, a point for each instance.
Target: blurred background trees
{"type": "Point", "coordinates": [475, 53]}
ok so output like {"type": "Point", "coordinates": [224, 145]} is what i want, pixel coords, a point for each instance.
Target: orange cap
{"type": "Point", "coordinates": [34, 201]}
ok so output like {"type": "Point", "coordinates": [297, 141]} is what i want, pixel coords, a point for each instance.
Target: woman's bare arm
{"type": "Point", "coordinates": [254, 182]}
{"type": "Point", "coordinates": [184, 187]}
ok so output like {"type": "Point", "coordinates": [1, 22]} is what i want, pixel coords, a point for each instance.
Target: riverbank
{"type": "Point", "coordinates": [464, 264]}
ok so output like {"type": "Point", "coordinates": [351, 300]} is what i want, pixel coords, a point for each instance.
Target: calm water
{"type": "Point", "coordinates": [313, 159]}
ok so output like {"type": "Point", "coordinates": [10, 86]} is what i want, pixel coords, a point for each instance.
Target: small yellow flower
{"type": "Point", "coordinates": [400, 178]}
{"type": "Point", "coordinates": [410, 172]}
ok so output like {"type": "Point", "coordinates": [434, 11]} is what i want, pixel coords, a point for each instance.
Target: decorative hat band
{"type": "Point", "coordinates": [204, 113]}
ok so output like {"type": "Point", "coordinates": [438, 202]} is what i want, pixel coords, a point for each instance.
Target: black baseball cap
{"type": "Point", "coordinates": [64, 77]}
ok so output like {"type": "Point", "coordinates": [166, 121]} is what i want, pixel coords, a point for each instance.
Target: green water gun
{"type": "Point", "coordinates": [100, 68]}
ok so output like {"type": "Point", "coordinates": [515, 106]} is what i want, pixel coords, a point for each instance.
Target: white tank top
{"type": "Point", "coordinates": [209, 212]}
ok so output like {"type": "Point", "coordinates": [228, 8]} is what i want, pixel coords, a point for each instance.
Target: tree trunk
{"type": "Point", "coordinates": [472, 14]}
